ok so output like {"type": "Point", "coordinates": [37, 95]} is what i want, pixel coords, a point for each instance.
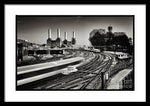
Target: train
{"type": "Point", "coordinates": [122, 56]}
{"type": "Point", "coordinates": [92, 50]}
{"type": "Point", "coordinates": [96, 50]}
{"type": "Point", "coordinates": [70, 69]}
{"type": "Point", "coordinates": [119, 55]}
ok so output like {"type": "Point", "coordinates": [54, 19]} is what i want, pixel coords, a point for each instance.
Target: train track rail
{"type": "Point", "coordinates": [78, 79]}
{"type": "Point", "coordinates": [34, 84]}
{"type": "Point", "coordinates": [64, 79]}
{"type": "Point", "coordinates": [88, 75]}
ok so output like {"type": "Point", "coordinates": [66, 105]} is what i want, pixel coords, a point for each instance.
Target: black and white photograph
{"type": "Point", "coordinates": [83, 53]}
{"type": "Point", "coordinates": [75, 52]}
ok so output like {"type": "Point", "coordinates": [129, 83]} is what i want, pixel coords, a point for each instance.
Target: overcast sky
{"type": "Point", "coordinates": [35, 29]}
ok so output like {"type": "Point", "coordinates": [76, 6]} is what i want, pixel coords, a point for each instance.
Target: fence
{"type": "Point", "coordinates": [127, 82]}
{"type": "Point", "coordinates": [109, 73]}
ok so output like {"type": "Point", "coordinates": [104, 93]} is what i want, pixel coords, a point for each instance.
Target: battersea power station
{"type": "Point", "coordinates": [58, 42]}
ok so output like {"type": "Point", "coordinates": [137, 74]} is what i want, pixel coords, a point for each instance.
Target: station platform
{"type": "Point", "coordinates": [115, 81]}
{"type": "Point", "coordinates": [27, 74]}
{"type": "Point", "coordinates": [35, 67]}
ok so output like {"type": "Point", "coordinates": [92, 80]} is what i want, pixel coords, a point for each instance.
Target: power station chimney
{"type": "Point", "coordinates": [58, 33]}
{"type": "Point", "coordinates": [73, 34]}
{"type": "Point", "coordinates": [73, 38]}
{"type": "Point", "coordinates": [49, 33]}
{"type": "Point", "coordinates": [65, 35]}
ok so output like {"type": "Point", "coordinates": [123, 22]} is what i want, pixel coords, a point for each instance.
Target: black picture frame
{"type": "Point", "coordinates": [9, 2]}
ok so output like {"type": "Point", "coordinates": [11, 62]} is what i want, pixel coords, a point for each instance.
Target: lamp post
{"type": "Point", "coordinates": [102, 79]}
{"type": "Point", "coordinates": [26, 45]}
{"type": "Point", "coordinates": [114, 49]}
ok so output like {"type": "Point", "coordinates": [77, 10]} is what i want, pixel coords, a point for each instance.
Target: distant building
{"type": "Point", "coordinates": [58, 43]}
{"type": "Point", "coordinates": [119, 33]}
{"type": "Point", "coordinates": [49, 38]}
{"type": "Point", "coordinates": [54, 43]}
{"type": "Point", "coordinates": [110, 34]}
{"type": "Point", "coordinates": [19, 51]}
{"type": "Point", "coordinates": [73, 39]}
{"type": "Point", "coordinates": [24, 46]}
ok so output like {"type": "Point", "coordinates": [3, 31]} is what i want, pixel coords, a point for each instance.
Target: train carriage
{"type": "Point", "coordinates": [122, 56]}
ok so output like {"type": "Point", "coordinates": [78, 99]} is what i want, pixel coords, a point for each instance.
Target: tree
{"type": "Point", "coordinates": [121, 40]}
{"type": "Point", "coordinates": [130, 49]}
{"type": "Point", "coordinates": [130, 41]}
{"type": "Point", "coordinates": [97, 39]}
{"type": "Point", "coordinates": [110, 38]}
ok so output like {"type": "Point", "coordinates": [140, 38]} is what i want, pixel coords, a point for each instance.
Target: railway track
{"type": "Point", "coordinates": [65, 79]}
{"type": "Point", "coordinates": [88, 75]}
{"type": "Point", "coordinates": [44, 80]}
{"type": "Point", "coordinates": [79, 79]}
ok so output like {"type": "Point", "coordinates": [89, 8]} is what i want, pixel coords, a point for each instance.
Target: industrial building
{"type": "Point", "coordinates": [58, 42]}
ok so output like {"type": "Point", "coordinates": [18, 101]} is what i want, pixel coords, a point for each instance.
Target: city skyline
{"type": "Point", "coordinates": [35, 29]}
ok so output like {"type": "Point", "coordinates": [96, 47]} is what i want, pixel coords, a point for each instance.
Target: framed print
{"type": "Point", "coordinates": [75, 52]}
